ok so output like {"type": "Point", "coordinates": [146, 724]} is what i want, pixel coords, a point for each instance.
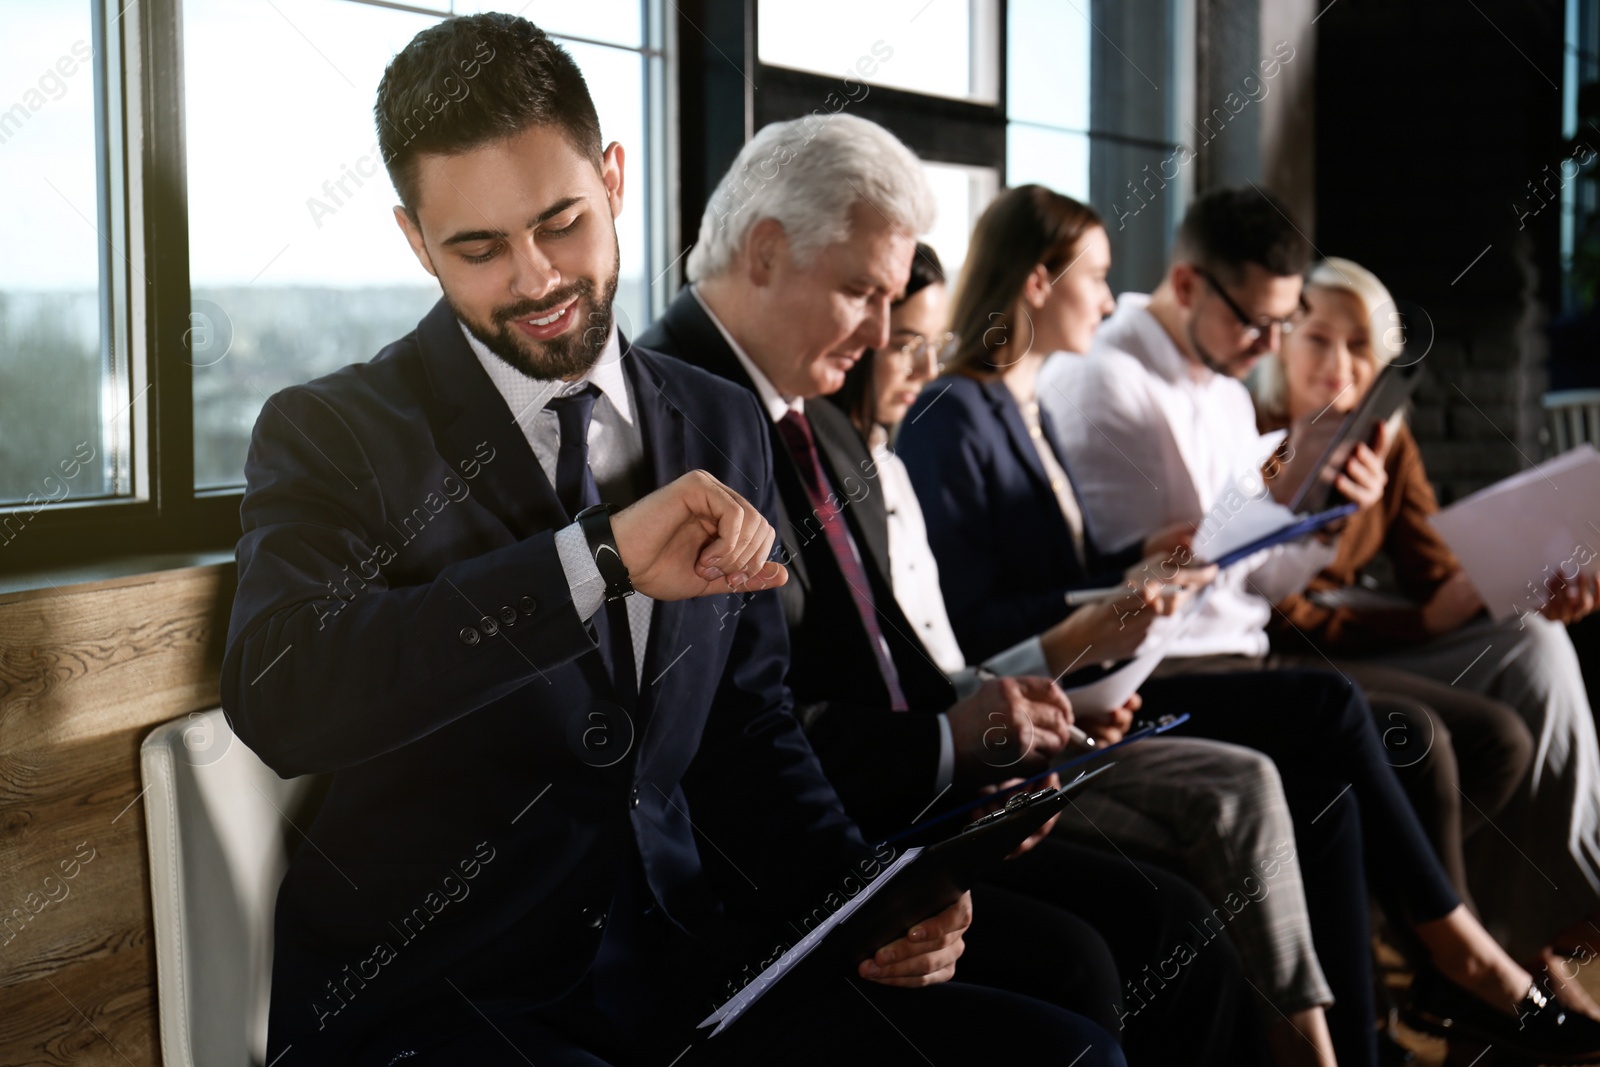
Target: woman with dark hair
{"type": "Point", "coordinates": [1010, 539]}
{"type": "Point", "coordinates": [877, 393]}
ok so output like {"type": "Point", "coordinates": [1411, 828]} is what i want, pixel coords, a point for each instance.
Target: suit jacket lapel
{"type": "Point", "coordinates": [843, 452]}
{"type": "Point", "coordinates": [470, 411]}
{"type": "Point", "coordinates": [1048, 425]}
{"type": "Point", "coordinates": [689, 325]}
{"type": "Point", "coordinates": [1005, 409]}
{"type": "Point", "coordinates": [663, 426]}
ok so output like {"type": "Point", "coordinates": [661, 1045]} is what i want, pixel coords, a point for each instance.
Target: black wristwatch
{"type": "Point", "coordinates": [595, 522]}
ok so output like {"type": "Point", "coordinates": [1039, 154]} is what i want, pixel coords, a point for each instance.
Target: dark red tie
{"type": "Point", "coordinates": [796, 431]}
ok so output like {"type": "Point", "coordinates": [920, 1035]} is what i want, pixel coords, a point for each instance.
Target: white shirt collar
{"type": "Point", "coordinates": [526, 396]}
{"type": "Point", "coordinates": [1136, 331]}
{"type": "Point", "coordinates": [776, 404]}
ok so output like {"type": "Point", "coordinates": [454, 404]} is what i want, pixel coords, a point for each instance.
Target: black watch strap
{"type": "Point", "coordinates": [595, 522]}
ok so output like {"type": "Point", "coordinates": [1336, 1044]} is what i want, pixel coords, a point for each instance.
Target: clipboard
{"type": "Point", "coordinates": [923, 830]}
{"type": "Point", "coordinates": [1304, 527]}
{"type": "Point", "coordinates": [921, 883]}
{"type": "Point", "coordinates": [1386, 395]}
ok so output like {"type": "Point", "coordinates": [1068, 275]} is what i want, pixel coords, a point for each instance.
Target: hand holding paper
{"type": "Point", "coordinates": [1571, 600]}
{"type": "Point", "coordinates": [1518, 535]}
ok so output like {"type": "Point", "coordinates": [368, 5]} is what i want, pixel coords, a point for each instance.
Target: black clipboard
{"type": "Point", "coordinates": [1384, 398]}
{"type": "Point", "coordinates": [920, 883]}
{"type": "Point", "coordinates": [930, 828]}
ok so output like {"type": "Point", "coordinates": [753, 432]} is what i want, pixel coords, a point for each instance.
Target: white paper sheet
{"type": "Point", "coordinates": [1113, 690]}
{"type": "Point", "coordinates": [1223, 532]}
{"type": "Point", "coordinates": [1518, 532]}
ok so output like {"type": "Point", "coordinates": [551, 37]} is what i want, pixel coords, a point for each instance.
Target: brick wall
{"type": "Point", "coordinates": [1431, 119]}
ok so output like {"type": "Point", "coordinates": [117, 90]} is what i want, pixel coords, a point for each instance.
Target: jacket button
{"type": "Point", "coordinates": [508, 615]}
{"type": "Point", "coordinates": [633, 799]}
{"type": "Point", "coordinates": [527, 604]}
{"type": "Point", "coordinates": [469, 635]}
{"type": "Point", "coordinates": [594, 918]}
{"type": "Point", "coordinates": [489, 625]}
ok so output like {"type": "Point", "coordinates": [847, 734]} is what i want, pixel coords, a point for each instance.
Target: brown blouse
{"type": "Point", "coordinates": [1399, 527]}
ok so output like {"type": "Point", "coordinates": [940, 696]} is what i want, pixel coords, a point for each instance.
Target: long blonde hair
{"type": "Point", "coordinates": [1269, 385]}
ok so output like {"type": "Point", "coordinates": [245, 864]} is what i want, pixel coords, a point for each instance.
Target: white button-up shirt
{"type": "Point", "coordinates": [616, 458]}
{"type": "Point", "coordinates": [1153, 438]}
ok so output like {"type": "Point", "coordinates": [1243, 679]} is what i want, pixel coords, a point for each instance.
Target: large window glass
{"type": "Point", "coordinates": [296, 264]}
{"type": "Point", "coordinates": [1092, 108]}
{"type": "Point", "coordinates": [65, 400]}
{"type": "Point", "coordinates": [940, 47]}
{"type": "Point", "coordinates": [961, 194]}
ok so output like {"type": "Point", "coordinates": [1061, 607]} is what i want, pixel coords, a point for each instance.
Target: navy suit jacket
{"type": "Point", "coordinates": [1006, 557]}
{"type": "Point", "coordinates": [883, 763]}
{"type": "Point", "coordinates": [403, 621]}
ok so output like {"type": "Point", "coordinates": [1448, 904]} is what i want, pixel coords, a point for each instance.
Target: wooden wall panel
{"type": "Point", "coordinates": [85, 672]}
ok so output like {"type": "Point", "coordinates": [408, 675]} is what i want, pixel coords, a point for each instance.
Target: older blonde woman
{"type": "Point", "coordinates": [1537, 870]}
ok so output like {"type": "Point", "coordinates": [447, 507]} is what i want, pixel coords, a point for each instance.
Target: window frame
{"type": "Point", "coordinates": [145, 295]}
{"type": "Point", "coordinates": [939, 129]}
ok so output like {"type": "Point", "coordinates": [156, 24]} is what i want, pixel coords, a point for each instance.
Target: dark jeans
{"type": "Point", "coordinates": [1341, 790]}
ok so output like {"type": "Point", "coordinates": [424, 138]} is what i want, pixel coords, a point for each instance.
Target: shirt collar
{"type": "Point", "coordinates": [878, 438]}
{"type": "Point", "coordinates": [526, 396]}
{"type": "Point", "coordinates": [1134, 330]}
{"type": "Point", "coordinates": [776, 404]}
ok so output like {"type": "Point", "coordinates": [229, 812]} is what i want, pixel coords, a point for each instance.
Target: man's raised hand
{"type": "Point", "coordinates": [695, 536]}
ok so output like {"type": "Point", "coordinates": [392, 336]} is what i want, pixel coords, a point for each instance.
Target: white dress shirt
{"type": "Point", "coordinates": [616, 458]}
{"type": "Point", "coordinates": [915, 574]}
{"type": "Point", "coordinates": [778, 406]}
{"type": "Point", "coordinates": [913, 570]}
{"type": "Point", "coordinates": [1153, 438]}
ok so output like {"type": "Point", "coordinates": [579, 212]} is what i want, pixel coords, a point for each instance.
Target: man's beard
{"type": "Point", "coordinates": [1226, 368]}
{"type": "Point", "coordinates": [566, 356]}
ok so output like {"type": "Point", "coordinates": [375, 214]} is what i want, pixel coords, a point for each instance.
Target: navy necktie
{"type": "Point", "coordinates": [576, 489]}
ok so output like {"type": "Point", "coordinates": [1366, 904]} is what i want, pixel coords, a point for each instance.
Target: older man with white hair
{"type": "Point", "coordinates": [805, 244]}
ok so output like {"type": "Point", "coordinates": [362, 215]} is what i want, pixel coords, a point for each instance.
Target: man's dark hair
{"type": "Point", "coordinates": [472, 80]}
{"type": "Point", "coordinates": [1226, 228]}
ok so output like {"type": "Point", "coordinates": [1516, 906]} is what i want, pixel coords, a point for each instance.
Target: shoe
{"type": "Point", "coordinates": [1541, 1031]}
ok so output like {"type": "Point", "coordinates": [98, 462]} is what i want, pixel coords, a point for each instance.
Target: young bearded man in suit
{"type": "Point", "coordinates": [538, 724]}
{"type": "Point", "coordinates": [802, 248]}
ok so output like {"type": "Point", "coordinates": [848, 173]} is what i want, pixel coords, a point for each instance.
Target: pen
{"type": "Point", "coordinates": [1079, 597]}
{"type": "Point", "coordinates": [1074, 734]}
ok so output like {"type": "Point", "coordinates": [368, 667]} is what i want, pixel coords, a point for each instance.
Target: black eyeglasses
{"type": "Point", "coordinates": [1252, 329]}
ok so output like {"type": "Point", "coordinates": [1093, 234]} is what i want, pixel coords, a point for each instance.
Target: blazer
{"type": "Point", "coordinates": [403, 621]}
{"type": "Point", "coordinates": [1006, 556]}
{"type": "Point", "coordinates": [1397, 528]}
{"type": "Point", "coordinates": [883, 763]}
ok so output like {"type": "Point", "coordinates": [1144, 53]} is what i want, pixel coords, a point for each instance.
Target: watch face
{"type": "Point", "coordinates": [595, 522]}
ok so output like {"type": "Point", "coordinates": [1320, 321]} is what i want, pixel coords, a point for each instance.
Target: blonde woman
{"type": "Point", "coordinates": [1538, 869]}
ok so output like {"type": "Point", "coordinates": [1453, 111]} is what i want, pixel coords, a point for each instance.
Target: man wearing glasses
{"type": "Point", "coordinates": [1158, 428]}
{"type": "Point", "coordinates": [1159, 405]}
